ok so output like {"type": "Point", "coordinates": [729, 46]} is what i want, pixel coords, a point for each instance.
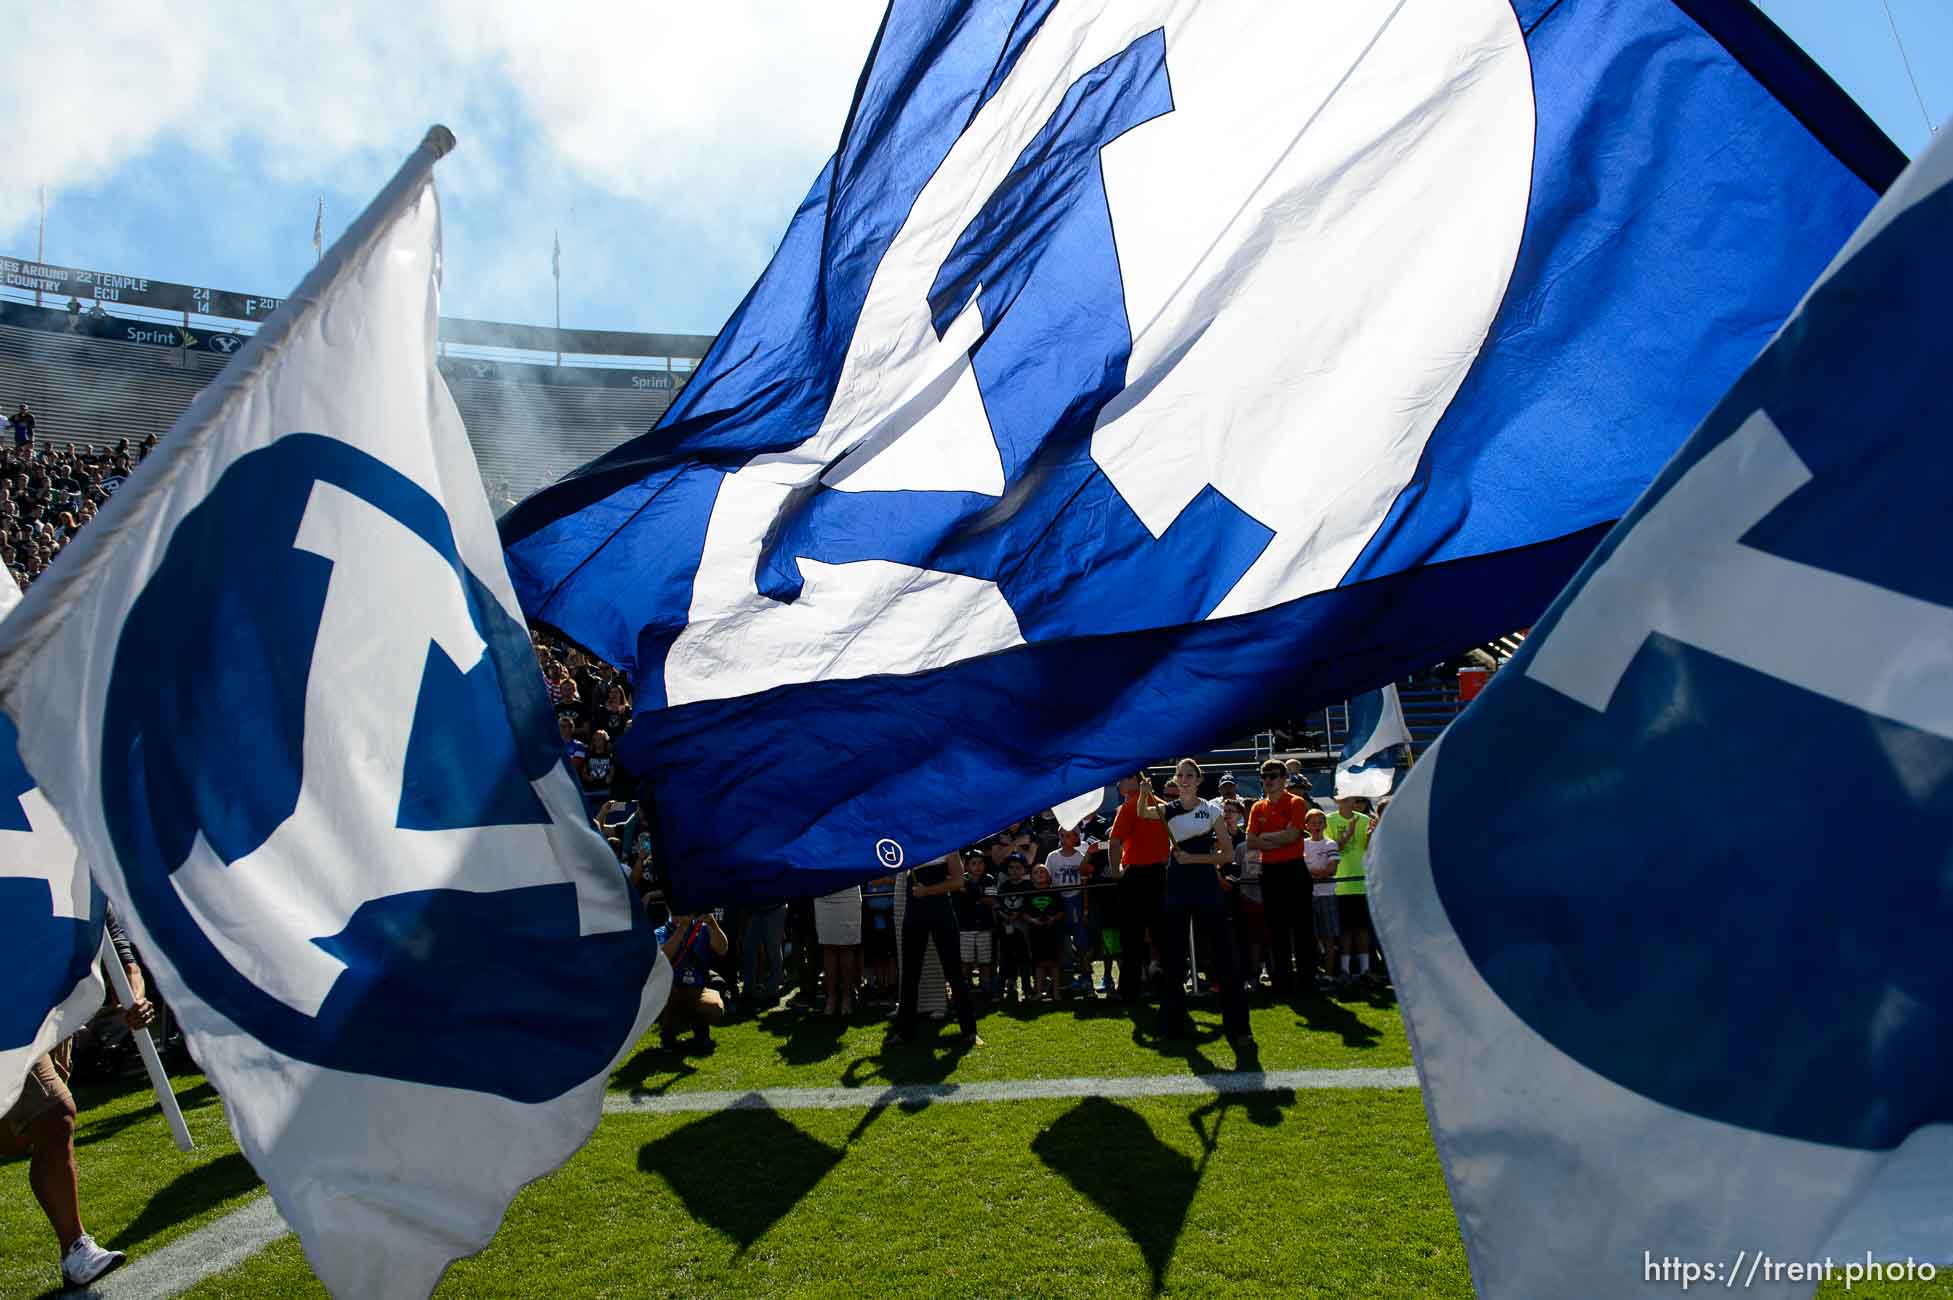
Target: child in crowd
{"type": "Point", "coordinates": [1044, 915]}
{"type": "Point", "coordinates": [1250, 923]}
{"type": "Point", "coordinates": [1013, 892]}
{"type": "Point", "coordinates": [878, 925]}
{"type": "Point", "coordinates": [1321, 856]}
{"type": "Point", "coordinates": [976, 918]}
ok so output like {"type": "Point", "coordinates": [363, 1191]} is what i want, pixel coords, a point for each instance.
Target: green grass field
{"type": "Point", "coordinates": [1318, 1192]}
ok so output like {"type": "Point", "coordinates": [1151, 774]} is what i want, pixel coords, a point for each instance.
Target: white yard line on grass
{"type": "Point", "coordinates": [242, 1233]}
{"type": "Point", "coordinates": [189, 1260]}
{"type": "Point", "coordinates": [917, 1094]}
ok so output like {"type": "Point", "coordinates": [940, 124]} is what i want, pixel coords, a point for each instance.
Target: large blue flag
{"type": "Point", "coordinates": [1134, 368]}
{"type": "Point", "coordinates": [1668, 905]}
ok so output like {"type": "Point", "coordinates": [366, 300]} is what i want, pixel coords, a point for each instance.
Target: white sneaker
{"type": "Point", "coordinates": [85, 1261]}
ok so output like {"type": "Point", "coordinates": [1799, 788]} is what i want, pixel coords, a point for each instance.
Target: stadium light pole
{"type": "Point", "coordinates": [556, 271]}
{"type": "Point", "coordinates": [40, 241]}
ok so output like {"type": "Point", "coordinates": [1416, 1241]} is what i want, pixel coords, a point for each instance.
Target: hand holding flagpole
{"type": "Point", "coordinates": [146, 1044]}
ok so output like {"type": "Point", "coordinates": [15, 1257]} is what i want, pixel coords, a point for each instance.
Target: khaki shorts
{"type": "Point", "coordinates": [41, 1092]}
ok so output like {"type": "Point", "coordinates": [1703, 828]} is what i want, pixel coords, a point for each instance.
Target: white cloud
{"type": "Point", "coordinates": [717, 114]}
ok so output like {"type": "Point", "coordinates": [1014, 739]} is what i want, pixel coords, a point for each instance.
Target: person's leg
{"type": "Point", "coordinates": [1327, 934]}
{"type": "Point", "coordinates": [914, 937]}
{"type": "Point", "coordinates": [1172, 927]}
{"type": "Point", "coordinates": [1279, 906]}
{"type": "Point", "coordinates": [681, 1011]}
{"type": "Point", "coordinates": [773, 938]}
{"type": "Point", "coordinates": [42, 1126]}
{"type": "Point", "coordinates": [1129, 965]}
{"type": "Point", "coordinates": [1234, 999]}
{"type": "Point", "coordinates": [831, 976]}
{"type": "Point", "coordinates": [943, 933]}
{"type": "Point", "coordinates": [707, 1012]}
{"type": "Point", "coordinates": [749, 952]}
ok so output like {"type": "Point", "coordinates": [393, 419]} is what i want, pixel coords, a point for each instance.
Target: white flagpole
{"type": "Point", "coordinates": [146, 1044]}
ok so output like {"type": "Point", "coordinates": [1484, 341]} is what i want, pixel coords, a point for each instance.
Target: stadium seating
{"type": "Point", "coordinates": [95, 391]}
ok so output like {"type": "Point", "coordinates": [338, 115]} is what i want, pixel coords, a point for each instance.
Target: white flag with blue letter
{"type": "Point", "coordinates": [1368, 764]}
{"type": "Point", "coordinates": [1703, 1032]}
{"type": "Point", "coordinates": [283, 694]}
{"type": "Point", "coordinates": [51, 916]}
{"type": "Point", "coordinates": [1137, 368]}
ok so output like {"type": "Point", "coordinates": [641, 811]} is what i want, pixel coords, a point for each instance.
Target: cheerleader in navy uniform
{"type": "Point", "coordinates": [1196, 893]}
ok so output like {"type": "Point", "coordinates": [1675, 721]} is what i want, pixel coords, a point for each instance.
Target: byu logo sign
{"type": "Point", "coordinates": [1033, 367]}
{"type": "Point", "coordinates": [292, 806]}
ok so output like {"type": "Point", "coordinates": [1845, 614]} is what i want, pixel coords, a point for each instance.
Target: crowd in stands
{"type": "Point", "coordinates": [48, 491]}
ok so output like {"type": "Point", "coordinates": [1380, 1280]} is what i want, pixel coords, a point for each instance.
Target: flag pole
{"type": "Point", "coordinates": [40, 242]}
{"type": "Point", "coordinates": [556, 270]}
{"type": "Point", "coordinates": [146, 1044]}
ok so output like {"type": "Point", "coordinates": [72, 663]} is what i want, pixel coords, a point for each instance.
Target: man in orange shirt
{"type": "Point", "coordinates": [1275, 827]}
{"type": "Point", "coordinates": [1136, 854]}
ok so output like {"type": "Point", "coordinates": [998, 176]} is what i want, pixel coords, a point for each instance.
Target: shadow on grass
{"type": "Point", "coordinates": [188, 1194]}
{"type": "Point", "coordinates": [1322, 1014]}
{"type": "Point", "coordinates": [806, 1036]}
{"type": "Point", "coordinates": [94, 1130]}
{"type": "Point", "coordinates": [1112, 1157]}
{"type": "Point", "coordinates": [738, 1171]}
{"type": "Point", "coordinates": [634, 1075]}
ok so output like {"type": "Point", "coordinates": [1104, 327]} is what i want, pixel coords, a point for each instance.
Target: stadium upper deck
{"type": "Point", "coordinates": [126, 358]}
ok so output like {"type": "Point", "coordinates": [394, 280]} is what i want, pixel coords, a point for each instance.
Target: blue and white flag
{"type": "Point", "coordinates": [282, 692]}
{"type": "Point", "coordinates": [1368, 764]}
{"type": "Point", "coordinates": [1139, 366]}
{"type": "Point", "coordinates": [1706, 1026]}
{"type": "Point", "coordinates": [51, 916]}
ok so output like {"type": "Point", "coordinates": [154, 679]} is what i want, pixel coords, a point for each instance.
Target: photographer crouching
{"type": "Point", "coordinates": [689, 944]}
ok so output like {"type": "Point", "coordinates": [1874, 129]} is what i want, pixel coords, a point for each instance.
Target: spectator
{"type": "Point", "coordinates": [1044, 833]}
{"type": "Point", "coordinates": [1275, 832]}
{"type": "Point", "coordinates": [1066, 864]}
{"type": "Point", "coordinates": [878, 940]}
{"type": "Point", "coordinates": [596, 767]}
{"type": "Point", "coordinates": [764, 935]}
{"type": "Point", "coordinates": [1136, 854]}
{"type": "Point", "coordinates": [1321, 857]}
{"type": "Point", "coordinates": [1044, 920]}
{"type": "Point", "coordinates": [1350, 828]}
{"type": "Point", "coordinates": [690, 942]}
{"type": "Point", "coordinates": [616, 713]}
{"type": "Point", "coordinates": [1250, 915]}
{"type": "Point", "coordinates": [573, 749]}
{"type": "Point", "coordinates": [1101, 916]}
{"type": "Point", "coordinates": [23, 427]}
{"type": "Point", "coordinates": [976, 919]}
{"type": "Point", "coordinates": [930, 917]}
{"type": "Point", "coordinates": [1013, 892]}
{"type": "Point", "coordinates": [837, 923]}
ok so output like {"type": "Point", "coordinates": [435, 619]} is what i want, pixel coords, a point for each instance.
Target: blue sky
{"type": "Point", "coordinates": [669, 143]}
